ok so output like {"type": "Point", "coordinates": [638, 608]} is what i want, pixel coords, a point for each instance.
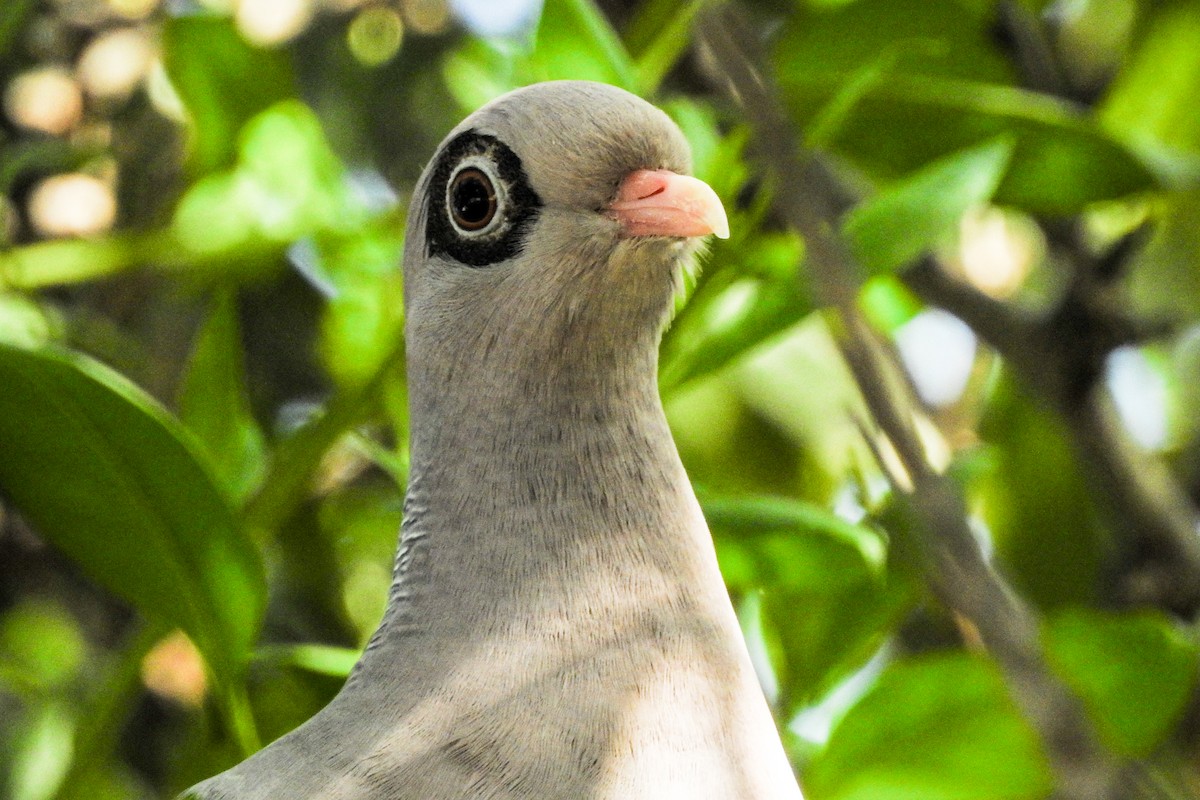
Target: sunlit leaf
{"type": "Point", "coordinates": [23, 321]}
{"type": "Point", "coordinates": [730, 316]}
{"type": "Point", "coordinates": [364, 317]}
{"type": "Point", "coordinates": [914, 214]}
{"type": "Point", "coordinates": [938, 727]}
{"type": "Point", "coordinates": [108, 477]}
{"type": "Point", "coordinates": [1135, 672]}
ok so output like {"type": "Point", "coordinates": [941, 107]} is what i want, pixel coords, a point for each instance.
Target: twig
{"type": "Point", "coordinates": [954, 564]}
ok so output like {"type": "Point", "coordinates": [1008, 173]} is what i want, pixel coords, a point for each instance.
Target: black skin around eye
{"type": "Point", "coordinates": [506, 239]}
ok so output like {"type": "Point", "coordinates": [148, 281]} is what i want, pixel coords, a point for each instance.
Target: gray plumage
{"type": "Point", "coordinates": [557, 627]}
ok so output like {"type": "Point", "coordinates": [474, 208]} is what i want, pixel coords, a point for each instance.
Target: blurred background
{"type": "Point", "coordinates": [202, 403]}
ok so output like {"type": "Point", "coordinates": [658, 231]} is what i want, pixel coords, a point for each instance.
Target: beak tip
{"type": "Point", "coordinates": [720, 227]}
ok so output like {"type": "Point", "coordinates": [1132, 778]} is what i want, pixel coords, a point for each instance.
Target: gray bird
{"type": "Point", "coordinates": [557, 627]}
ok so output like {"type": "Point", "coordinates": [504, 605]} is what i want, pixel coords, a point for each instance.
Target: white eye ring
{"type": "Point", "coordinates": [475, 197]}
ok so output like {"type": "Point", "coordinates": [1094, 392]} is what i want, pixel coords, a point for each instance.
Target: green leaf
{"type": "Point", "coordinates": [943, 38]}
{"type": "Point", "coordinates": [1061, 163]}
{"type": "Point", "coordinates": [937, 727]}
{"type": "Point", "coordinates": [107, 476]}
{"type": "Point", "coordinates": [1036, 503]}
{"type": "Point", "coordinates": [1151, 103]}
{"type": "Point", "coordinates": [336, 662]}
{"type": "Point", "coordinates": [14, 16]}
{"type": "Point", "coordinates": [223, 82]}
{"type": "Point", "coordinates": [911, 216]}
{"type": "Point", "coordinates": [755, 515]}
{"type": "Point", "coordinates": [1135, 672]}
{"type": "Point", "coordinates": [365, 316]}
{"type": "Point", "coordinates": [23, 321]}
{"type": "Point", "coordinates": [575, 41]}
{"type": "Point", "coordinates": [214, 406]}
{"type": "Point", "coordinates": [287, 183]}
{"type": "Point", "coordinates": [803, 557]}
{"type": "Point", "coordinates": [669, 36]}
{"type": "Point", "coordinates": [735, 311]}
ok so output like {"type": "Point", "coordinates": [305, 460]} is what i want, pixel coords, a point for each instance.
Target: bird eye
{"type": "Point", "coordinates": [472, 199]}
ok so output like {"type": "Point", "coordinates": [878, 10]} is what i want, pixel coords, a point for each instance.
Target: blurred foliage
{"type": "Point", "coordinates": [203, 417]}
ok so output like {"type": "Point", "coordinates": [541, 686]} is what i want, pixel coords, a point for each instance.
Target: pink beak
{"type": "Point", "coordinates": [663, 203]}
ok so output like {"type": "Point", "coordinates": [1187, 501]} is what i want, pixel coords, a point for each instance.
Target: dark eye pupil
{"type": "Point", "coordinates": [472, 200]}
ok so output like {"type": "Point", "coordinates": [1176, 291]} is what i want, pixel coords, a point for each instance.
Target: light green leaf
{"type": "Point", "coordinates": [730, 315]}
{"type": "Point", "coordinates": [214, 406]}
{"type": "Point", "coordinates": [938, 727]}
{"type": "Point", "coordinates": [107, 476]}
{"type": "Point", "coordinates": [23, 321]}
{"type": "Point", "coordinates": [909, 217]}
{"type": "Point", "coordinates": [1135, 672]}
{"type": "Point", "coordinates": [757, 515]}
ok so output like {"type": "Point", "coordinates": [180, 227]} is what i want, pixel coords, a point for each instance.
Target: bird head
{"type": "Point", "coordinates": [554, 222]}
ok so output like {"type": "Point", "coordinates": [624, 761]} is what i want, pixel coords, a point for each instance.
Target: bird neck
{"type": "Point", "coordinates": [543, 485]}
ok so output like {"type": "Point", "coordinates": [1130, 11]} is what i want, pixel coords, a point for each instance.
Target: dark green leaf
{"type": "Point", "coordinates": [223, 82]}
{"type": "Point", "coordinates": [1135, 672]}
{"type": "Point", "coordinates": [1036, 504]}
{"type": "Point", "coordinates": [108, 477]}
{"type": "Point", "coordinates": [939, 727]}
{"type": "Point", "coordinates": [916, 213]}
{"type": "Point", "coordinates": [945, 38]}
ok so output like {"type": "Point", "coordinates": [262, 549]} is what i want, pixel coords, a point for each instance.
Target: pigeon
{"type": "Point", "coordinates": [557, 627]}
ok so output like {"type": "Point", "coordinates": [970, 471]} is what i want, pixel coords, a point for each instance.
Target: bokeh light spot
{"type": "Point", "coordinates": [46, 99]}
{"type": "Point", "coordinates": [72, 205]}
{"type": "Point", "coordinates": [497, 17]}
{"type": "Point", "coordinates": [996, 251]}
{"type": "Point", "coordinates": [133, 9]}
{"type": "Point", "coordinates": [938, 350]}
{"type": "Point", "coordinates": [173, 669]}
{"type": "Point", "coordinates": [375, 35]}
{"type": "Point", "coordinates": [270, 22]}
{"type": "Point", "coordinates": [426, 17]}
{"type": "Point", "coordinates": [115, 63]}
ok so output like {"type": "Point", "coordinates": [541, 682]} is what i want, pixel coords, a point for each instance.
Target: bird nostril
{"type": "Point", "coordinates": [657, 190]}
